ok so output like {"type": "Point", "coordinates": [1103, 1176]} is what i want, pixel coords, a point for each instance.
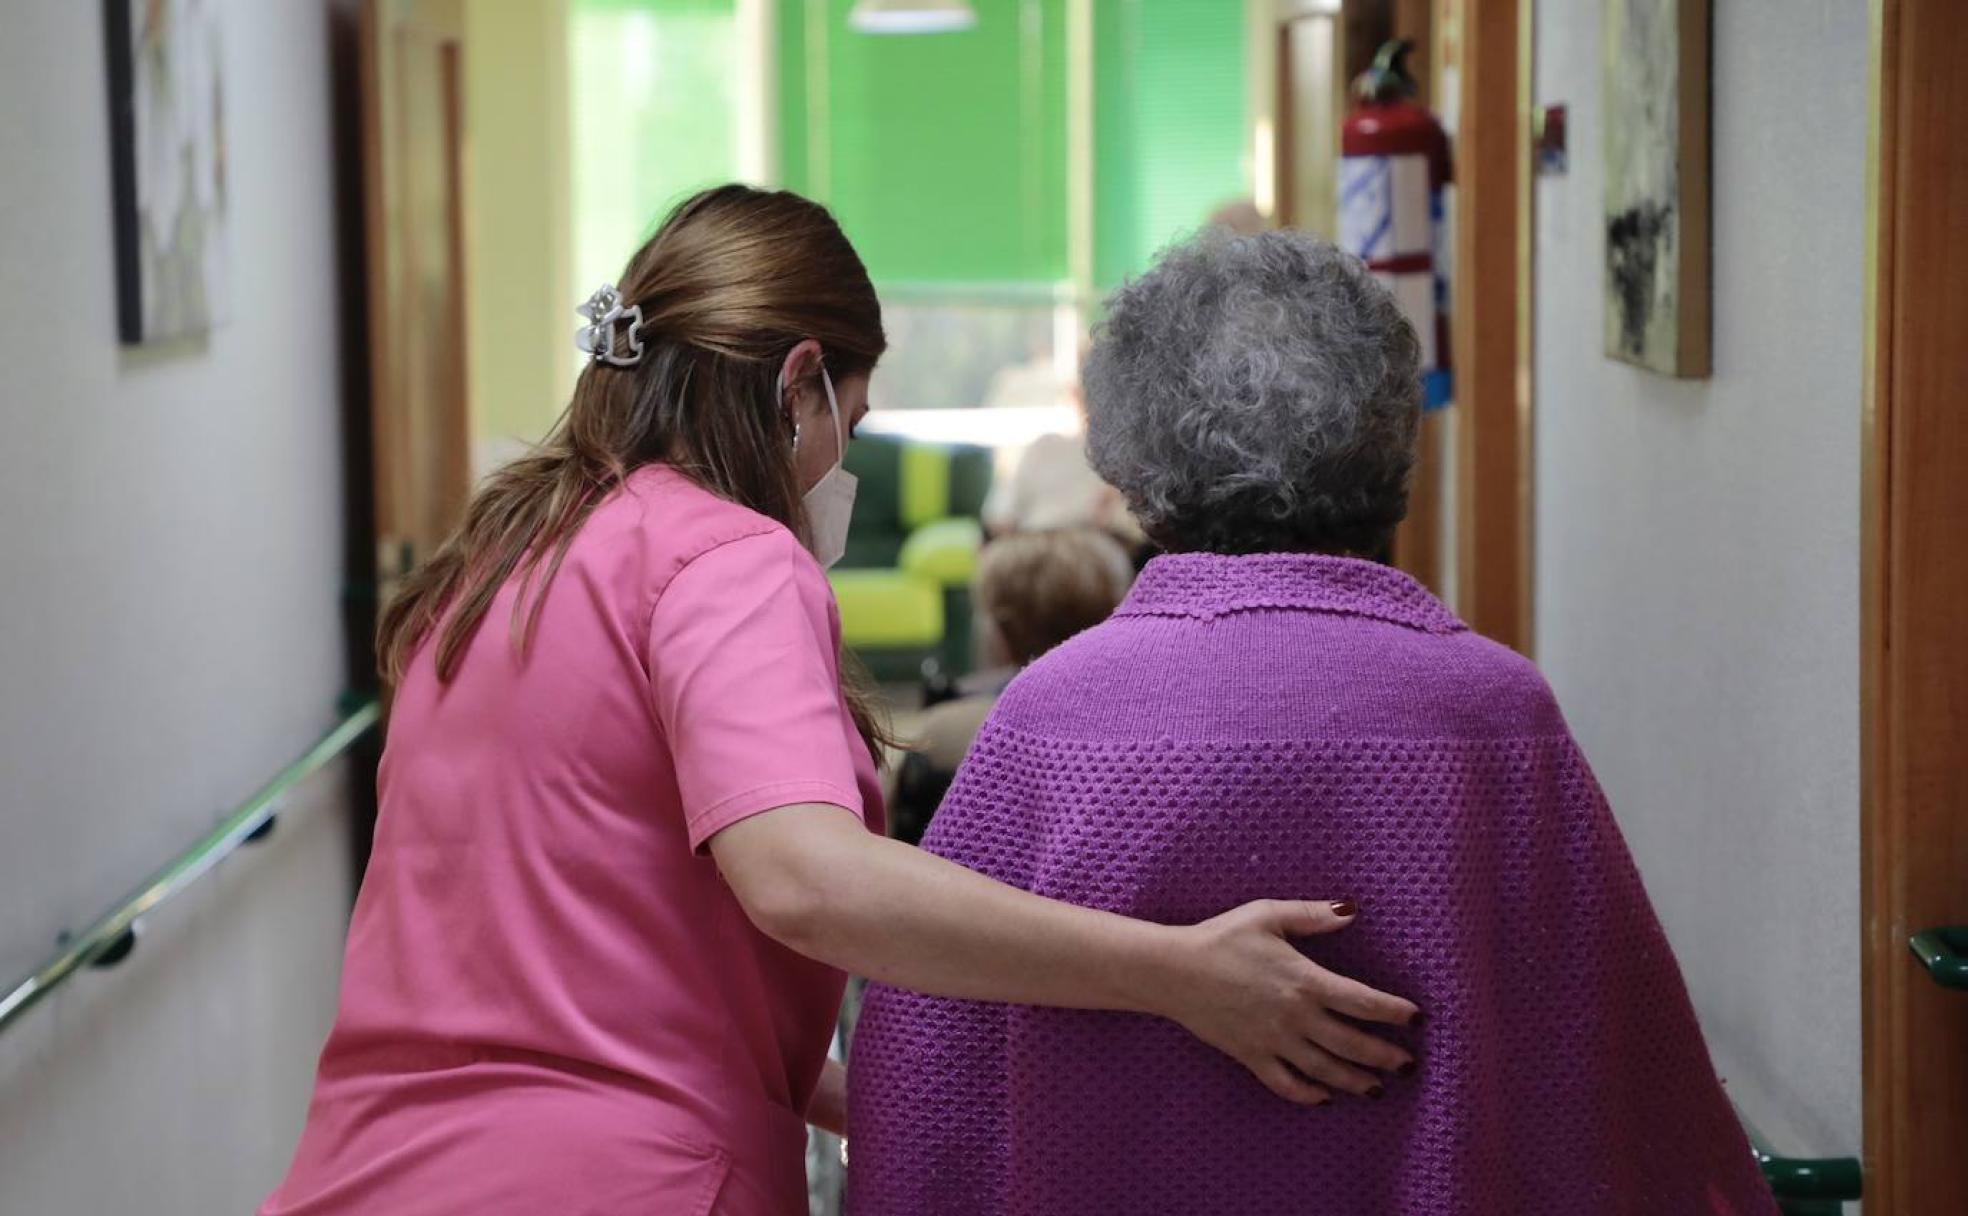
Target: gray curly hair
{"type": "Point", "coordinates": [1256, 394]}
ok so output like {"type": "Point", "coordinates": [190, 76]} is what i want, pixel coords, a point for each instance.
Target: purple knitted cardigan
{"type": "Point", "coordinates": [1304, 727]}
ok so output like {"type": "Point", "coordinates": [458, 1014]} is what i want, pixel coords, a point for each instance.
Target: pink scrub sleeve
{"type": "Point", "coordinates": [745, 679]}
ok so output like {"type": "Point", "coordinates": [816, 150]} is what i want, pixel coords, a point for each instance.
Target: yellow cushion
{"type": "Point", "coordinates": [888, 608]}
{"type": "Point", "coordinates": [925, 484]}
{"type": "Point", "coordinates": [944, 552]}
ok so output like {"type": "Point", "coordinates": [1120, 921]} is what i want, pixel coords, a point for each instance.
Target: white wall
{"type": "Point", "coordinates": [1698, 546]}
{"type": "Point", "coordinates": [170, 553]}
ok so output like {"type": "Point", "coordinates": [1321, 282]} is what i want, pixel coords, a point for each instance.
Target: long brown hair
{"type": "Point", "coordinates": [731, 282]}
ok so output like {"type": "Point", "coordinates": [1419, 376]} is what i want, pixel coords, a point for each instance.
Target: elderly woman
{"type": "Point", "coordinates": [1269, 712]}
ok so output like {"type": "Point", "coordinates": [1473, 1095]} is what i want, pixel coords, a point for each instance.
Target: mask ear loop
{"type": "Point", "coordinates": [834, 411]}
{"type": "Point", "coordinates": [779, 400]}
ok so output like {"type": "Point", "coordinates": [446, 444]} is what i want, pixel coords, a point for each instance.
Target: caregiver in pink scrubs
{"type": "Point", "coordinates": [631, 835]}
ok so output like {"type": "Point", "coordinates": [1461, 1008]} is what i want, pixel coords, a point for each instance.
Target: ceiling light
{"type": "Point", "coordinates": [911, 16]}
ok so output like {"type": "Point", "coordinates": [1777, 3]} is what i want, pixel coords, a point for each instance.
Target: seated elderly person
{"type": "Point", "coordinates": [1269, 713]}
{"type": "Point", "coordinates": [1034, 591]}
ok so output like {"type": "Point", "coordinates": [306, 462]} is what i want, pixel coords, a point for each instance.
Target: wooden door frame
{"type": "Point", "coordinates": [1418, 542]}
{"type": "Point", "coordinates": [442, 22]}
{"type": "Point", "coordinates": [1491, 323]}
{"type": "Point", "coordinates": [1913, 585]}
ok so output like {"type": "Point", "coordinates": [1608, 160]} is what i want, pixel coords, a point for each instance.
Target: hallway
{"type": "Point", "coordinates": [1707, 479]}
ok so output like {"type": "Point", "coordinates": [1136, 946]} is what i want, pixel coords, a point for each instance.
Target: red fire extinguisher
{"type": "Point", "coordinates": [1394, 162]}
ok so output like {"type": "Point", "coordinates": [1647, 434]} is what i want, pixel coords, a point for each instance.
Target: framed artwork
{"type": "Point", "coordinates": [1657, 184]}
{"type": "Point", "coordinates": [170, 197]}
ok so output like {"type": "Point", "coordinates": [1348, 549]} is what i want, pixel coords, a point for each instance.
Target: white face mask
{"type": "Point", "coordinates": [830, 503]}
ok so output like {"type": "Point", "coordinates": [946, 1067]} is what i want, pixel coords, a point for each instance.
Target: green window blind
{"type": "Point", "coordinates": [943, 155]}
{"type": "Point", "coordinates": [1169, 125]}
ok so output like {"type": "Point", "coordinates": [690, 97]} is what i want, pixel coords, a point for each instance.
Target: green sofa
{"type": "Point", "coordinates": [904, 583]}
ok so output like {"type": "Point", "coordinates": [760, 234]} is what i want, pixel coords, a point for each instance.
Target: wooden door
{"type": "Point", "coordinates": [413, 178]}
{"type": "Point", "coordinates": [1914, 580]}
{"type": "Point", "coordinates": [1490, 317]}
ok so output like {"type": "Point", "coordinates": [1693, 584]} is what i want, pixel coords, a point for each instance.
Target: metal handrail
{"type": "Point", "coordinates": [1806, 1186]}
{"type": "Point", "coordinates": [114, 933]}
{"type": "Point", "coordinates": [1944, 952]}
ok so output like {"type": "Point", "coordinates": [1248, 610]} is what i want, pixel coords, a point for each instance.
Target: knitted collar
{"type": "Point", "coordinates": [1209, 585]}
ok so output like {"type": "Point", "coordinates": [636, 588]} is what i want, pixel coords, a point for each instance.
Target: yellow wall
{"type": "Point", "coordinates": [522, 297]}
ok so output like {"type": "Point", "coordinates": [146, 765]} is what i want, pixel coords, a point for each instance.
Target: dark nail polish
{"type": "Point", "coordinates": [1416, 1019]}
{"type": "Point", "coordinates": [1342, 907]}
{"type": "Point", "coordinates": [1406, 1070]}
{"type": "Point", "coordinates": [1375, 1092]}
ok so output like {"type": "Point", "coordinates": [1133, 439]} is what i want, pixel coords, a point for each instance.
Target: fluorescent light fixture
{"type": "Point", "coordinates": [911, 16]}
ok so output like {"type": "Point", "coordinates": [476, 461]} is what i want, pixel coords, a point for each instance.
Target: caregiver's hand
{"type": "Point", "coordinates": [1250, 994]}
{"type": "Point", "coordinates": [812, 877]}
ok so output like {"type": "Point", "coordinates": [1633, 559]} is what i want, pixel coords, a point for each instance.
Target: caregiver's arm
{"type": "Point", "coordinates": [812, 877]}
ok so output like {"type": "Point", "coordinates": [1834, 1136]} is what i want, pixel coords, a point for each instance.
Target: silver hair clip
{"type": "Point", "coordinates": [604, 312]}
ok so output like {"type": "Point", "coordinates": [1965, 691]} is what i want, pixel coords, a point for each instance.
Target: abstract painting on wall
{"type": "Point", "coordinates": [1657, 220]}
{"type": "Point", "coordinates": [172, 210]}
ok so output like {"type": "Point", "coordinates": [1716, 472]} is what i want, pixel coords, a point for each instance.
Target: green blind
{"type": "Point", "coordinates": [1169, 125]}
{"type": "Point", "coordinates": [944, 155]}
{"type": "Point", "coordinates": [653, 110]}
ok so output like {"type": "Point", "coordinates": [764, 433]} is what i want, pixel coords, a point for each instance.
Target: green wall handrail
{"type": "Point", "coordinates": [1806, 1186]}
{"type": "Point", "coordinates": [1944, 952]}
{"type": "Point", "coordinates": [114, 932]}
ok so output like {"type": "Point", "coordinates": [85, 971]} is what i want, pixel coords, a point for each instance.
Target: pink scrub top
{"type": "Point", "coordinates": [551, 1001]}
